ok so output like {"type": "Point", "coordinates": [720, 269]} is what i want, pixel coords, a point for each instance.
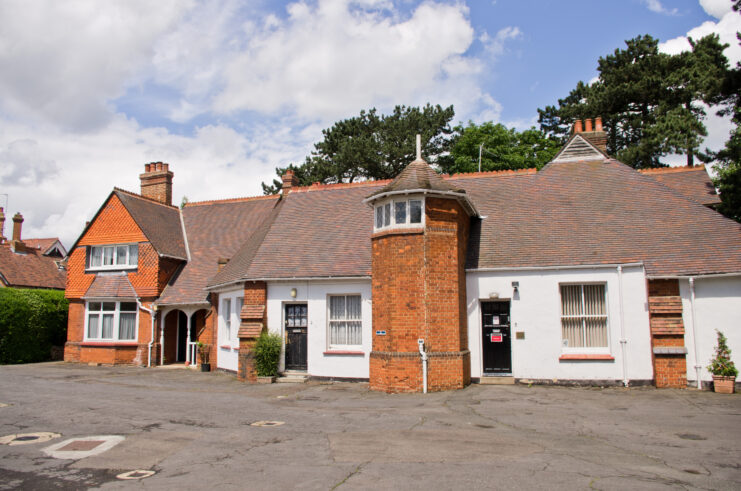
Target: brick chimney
{"type": "Point", "coordinates": [289, 181]}
{"type": "Point", "coordinates": [17, 224]}
{"type": "Point", "coordinates": [221, 262]}
{"type": "Point", "coordinates": [156, 182]}
{"type": "Point", "coordinates": [2, 225]}
{"type": "Point", "coordinates": [594, 135]}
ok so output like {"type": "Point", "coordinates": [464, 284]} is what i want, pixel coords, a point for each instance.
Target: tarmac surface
{"type": "Point", "coordinates": [195, 431]}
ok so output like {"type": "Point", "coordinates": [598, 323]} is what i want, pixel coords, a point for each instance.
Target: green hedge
{"type": "Point", "coordinates": [31, 322]}
{"type": "Point", "coordinates": [267, 354]}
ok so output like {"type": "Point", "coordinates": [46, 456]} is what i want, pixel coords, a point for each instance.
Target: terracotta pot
{"type": "Point", "coordinates": [265, 380]}
{"type": "Point", "coordinates": [724, 385]}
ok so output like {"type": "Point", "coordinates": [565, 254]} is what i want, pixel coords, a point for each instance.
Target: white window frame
{"type": "Point", "coordinates": [585, 349]}
{"type": "Point", "coordinates": [116, 320]}
{"type": "Point", "coordinates": [114, 249]}
{"type": "Point", "coordinates": [226, 316]}
{"type": "Point", "coordinates": [380, 207]}
{"type": "Point", "coordinates": [349, 347]}
{"type": "Point", "coordinates": [228, 334]}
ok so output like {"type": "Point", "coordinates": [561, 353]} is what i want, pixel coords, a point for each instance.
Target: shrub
{"type": "Point", "coordinates": [267, 354]}
{"type": "Point", "coordinates": [31, 322]}
{"type": "Point", "coordinates": [721, 363]}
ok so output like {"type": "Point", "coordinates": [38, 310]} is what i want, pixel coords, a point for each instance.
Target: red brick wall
{"type": "Point", "coordinates": [419, 292]}
{"type": "Point", "coordinates": [667, 330]}
{"type": "Point", "coordinates": [255, 293]}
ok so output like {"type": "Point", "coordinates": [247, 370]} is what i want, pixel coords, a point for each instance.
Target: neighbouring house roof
{"type": "Point", "coordinates": [597, 212]}
{"type": "Point", "coordinates": [692, 182]}
{"type": "Point", "coordinates": [30, 268]}
{"type": "Point", "coordinates": [160, 223]}
{"type": "Point", "coordinates": [116, 285]}
{"type": "Point", "coordinates": [46, 245]}
{"type": "Point", "coordinates": [215, 229]}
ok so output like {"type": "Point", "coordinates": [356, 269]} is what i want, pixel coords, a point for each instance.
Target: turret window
{"type": "Point", "coordinates": [398, 214]}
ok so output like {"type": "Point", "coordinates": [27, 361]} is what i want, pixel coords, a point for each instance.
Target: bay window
{"type": "Point", "coordinates": [111, 321]}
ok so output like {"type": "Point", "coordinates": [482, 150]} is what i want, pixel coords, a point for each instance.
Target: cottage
{"type": "Point", "coordinates": [587, 271]}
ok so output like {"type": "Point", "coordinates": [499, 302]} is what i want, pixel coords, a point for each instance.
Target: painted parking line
{"type": "Point", "coordinates": [267, 423]}
{"type": "Point", "coordinates": [26, 438]}
{"type": "Point", "coordinates": [137, 474]}
{"type": "Point", "coordinates": [81, 447]}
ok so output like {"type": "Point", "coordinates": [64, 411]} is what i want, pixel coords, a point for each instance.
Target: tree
{"type": "Point", "coordinates": [502, 148]}
{"type": "Point", "coordinates": [649, 101]}
{"type": "Point", "coordinates": [373, 146]}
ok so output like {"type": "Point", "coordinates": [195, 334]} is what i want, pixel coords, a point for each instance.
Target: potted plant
{"type": "Point", "coordinates": [267, 355]}
{"type": "Point", "coordinates": [723, 370]}
{"type": "Point", "coordinates": [204, 353]}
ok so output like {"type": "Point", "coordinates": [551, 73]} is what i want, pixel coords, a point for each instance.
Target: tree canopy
{"type": "Point", "coordinates": [650, 102]}
{"type": "Point", "coordinates": [373, 146]}
{"type": "Point", "coordinates": [500, 148]}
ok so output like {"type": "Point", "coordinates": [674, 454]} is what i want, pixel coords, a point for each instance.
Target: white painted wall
{"type": "Point", "coordinates": [717, 306]}
{"type": "Point", "coordinates": [228, 344]}
{"type": "Point", "coordinates": [320, 362]}
{"type": "Point", "coordinates": [536, 311]}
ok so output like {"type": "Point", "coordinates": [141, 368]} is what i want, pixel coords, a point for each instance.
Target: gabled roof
{"type": "Point", "coordinates": [116, 285]}
{"type": "Point", "coordinates": [159, 222]}
{"type": "Point", "coordinates": [692, 182]}
{"type": "Point", "coordinates": [597, 212]}
{"type": "Point", "coordinates": [215, 229]}
{"type": "Point", "coordinates": [46, 245]}
{"type": "Point", "coordinates": [579, 148]}
{"type": "Point", "coordinates": [30, 269]}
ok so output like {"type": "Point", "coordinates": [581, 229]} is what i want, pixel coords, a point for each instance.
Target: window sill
{"type": "Point", "coordinates": [226, 346]}
{"type": "Point", "coordinates": [109, 344]}
{"type": "Point", "coordinates": [118, 269]}
{"type": "Point", "coordinates": [344, 352]}
{"type": "Point", "coordinates": [586, 357]}
{"type": "Point", "coordinates": [398, 231]}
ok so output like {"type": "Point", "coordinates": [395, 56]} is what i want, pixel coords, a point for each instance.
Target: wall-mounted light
{"type": "Point", "coordinates": [494, 295]}
{"type": "Point", "coordinates": [294, 292]}
{"type": "Point", "coordinates": [516, 286]}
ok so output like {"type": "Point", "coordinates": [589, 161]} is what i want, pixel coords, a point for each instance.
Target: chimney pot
{"type": "Point", "coordinates": [289, 181]}
{"type": "Point", "coordinates": [588, 125]}
{"type": "Point", "coordinates": [577, 126]}
{"type": "Point", "coordinates": [17, 224]}
{"type": "Point", "coordinates": [156, 182]}
{"type": "Point", "coordinates": [598, 123]}
{"type": "Point", "coordinates": [2, 224]}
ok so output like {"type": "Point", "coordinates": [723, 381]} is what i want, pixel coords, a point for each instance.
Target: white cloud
{"type": "Point", "coordinates": [334, 58]}
{"type": "Point", "coordinates": [656, 6]}
{"type": "Point", "coordinates": [62, 62]}
{"type": "Point", "coordinates": [726, 29]}
{"type": "Point", "coordinates": [717, 8]}
{"type": "Point", "coordinates": [495, 46]}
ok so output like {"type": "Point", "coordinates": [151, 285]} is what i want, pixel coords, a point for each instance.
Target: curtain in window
{"type": "Point", "coordinates": [134, 255]}
{"type": "Point", "coordinates": [107, 326]}
{"type": "Point", "coordinates": [97, 257]}
{"type": "Point", "coordinates": [127, 326]}
{"type": "Point", "coordinates": [354, 324]}
{"type": "Point", "coordinates": [93, 321]}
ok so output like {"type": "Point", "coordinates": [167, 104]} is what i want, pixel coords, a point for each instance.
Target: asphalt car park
{"type": "Point", "coordinates": [68, 426]}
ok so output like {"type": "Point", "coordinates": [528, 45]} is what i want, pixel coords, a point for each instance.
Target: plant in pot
{"type": "Point", "coordinates": [204, 353]}
{"type": "Point", "coordinates": [267, 355]}
{"type": "Point", "coordinates": [723, 370]}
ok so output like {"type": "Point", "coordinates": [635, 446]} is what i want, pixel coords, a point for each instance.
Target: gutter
{"type": "Point", "coordinates": [293, 278]}
{"type": "Point", "coordinates": [554, 268]}
{"type": "Point", "coordinates": [695, 276]}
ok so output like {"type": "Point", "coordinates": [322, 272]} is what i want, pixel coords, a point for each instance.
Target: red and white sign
{"type": "Point", "coordinates": [496, 338]}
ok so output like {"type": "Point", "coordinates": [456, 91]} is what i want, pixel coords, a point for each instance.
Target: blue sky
{"type": "Point", "coordinates": [227, 90]}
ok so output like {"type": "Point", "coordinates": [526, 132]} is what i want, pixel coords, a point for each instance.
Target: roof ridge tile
{"type": "Point", "coordinates": [471, 175]}
{"type": "Point", "coordinates": [146, 198]}
{"type": "Point", "coordinates": [668, 170]}
{"type": "Point", "coordinates": [338, 185]}
{"type": "Point", "coordinates": [230, 200]}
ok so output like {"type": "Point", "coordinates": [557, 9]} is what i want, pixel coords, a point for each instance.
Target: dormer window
{"type": "Point", "coordinates": [398, 213]}
{"type": "Point", "coordinates": [113, 257]}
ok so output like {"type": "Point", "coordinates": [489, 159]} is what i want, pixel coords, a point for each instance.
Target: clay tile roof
{"type": "Point", "coordinates": [30, 269]}
{"type": "Point", "coordinates": [252, 312]}
{"type": "Point", "coordinates": [111, 286]}
{"type": "Point", "coordinates": [692, 182]}
{"type": "Point", "coordinates": [42, 245]}
{"type": "Point", "coordinates": [599, 212]}
{"type": "Point", "coordinates": [160, 223]}
{"type": "Point", "coordinates": [249, 330]}
{"type": "Point", "coordinates": [214, 229]}
{"type": "Point", "coordinates": [417, 175]}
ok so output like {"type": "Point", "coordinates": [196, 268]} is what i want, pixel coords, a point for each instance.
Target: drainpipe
{"type": "Point", "coordinates": [162, 340]}
{"type": "Point", "coordinates": [694, 332]}
{"type": "Point", "coordinates": [623, 340]}
{"type": "Point", "coordinates": [152, 313]}
{"type": "Point", "coordinates": [423, 354]}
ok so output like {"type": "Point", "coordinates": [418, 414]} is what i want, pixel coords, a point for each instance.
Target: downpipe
{"type": "Point", "coordinates": [694, 332]}
{"type": "Point", "coordinates": [423, 354]}
{"type": "Point", "coordinates": [152, 313]}
{"type": "Point", "coordinates": [623, 340]}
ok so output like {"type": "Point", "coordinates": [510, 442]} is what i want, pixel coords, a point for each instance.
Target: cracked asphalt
{"type": "Point", "coordinates": [194, 430]}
